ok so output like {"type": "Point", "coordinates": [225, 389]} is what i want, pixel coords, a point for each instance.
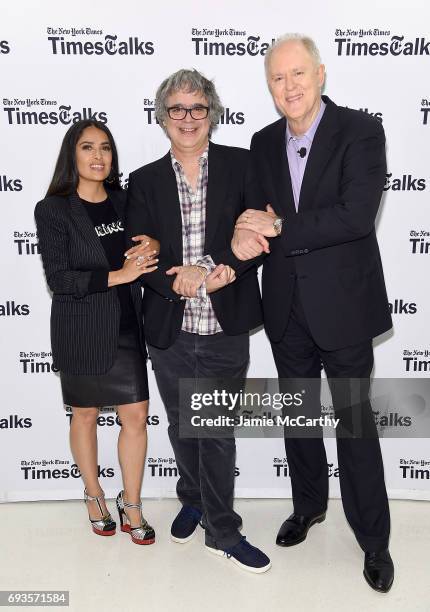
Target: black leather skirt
{"type": "Point", "coordinates": [125, 383]}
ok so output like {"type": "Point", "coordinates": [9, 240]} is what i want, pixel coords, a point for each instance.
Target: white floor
{"type": "Point", "coordinates": [49, 545]}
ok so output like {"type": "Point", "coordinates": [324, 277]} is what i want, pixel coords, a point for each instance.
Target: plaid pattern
{"type": "Point", "coordinates": [199, 316]}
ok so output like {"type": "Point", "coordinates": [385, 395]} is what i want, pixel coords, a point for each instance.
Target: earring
{"type": "Point", "coordinates": [111, 178]}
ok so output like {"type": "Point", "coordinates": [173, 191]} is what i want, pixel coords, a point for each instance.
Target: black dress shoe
{"type": "Point", "coordinates": [295, 529]}
{"type": "Point", "coordinates": [379, 570]}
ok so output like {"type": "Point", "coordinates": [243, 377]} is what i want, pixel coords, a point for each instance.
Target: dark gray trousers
{"type": "Point", "coordinates": [206, 465]}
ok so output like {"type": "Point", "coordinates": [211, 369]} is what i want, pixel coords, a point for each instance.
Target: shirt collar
{"type": "Point", "coordinates": [310, 132]}
{"type": "Point", "coordinates": [202, 159]}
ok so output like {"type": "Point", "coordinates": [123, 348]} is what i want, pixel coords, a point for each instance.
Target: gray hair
{"type": "Point", "coordinates": [306, 41]}
{"type": "Point", "coordinates": [190, 81]}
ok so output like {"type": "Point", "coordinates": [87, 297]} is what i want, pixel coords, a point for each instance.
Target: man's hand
{"type": "Point", "coordinates": [220, 277]}
{"type": "Point", "coordinates": [188, 279]}
{"type": "Point", "coordinates": [146, 249]}
{"type": "Point", "coordinates": [246, 244]}
{"type": "Point", "coordinates": [258, 221]}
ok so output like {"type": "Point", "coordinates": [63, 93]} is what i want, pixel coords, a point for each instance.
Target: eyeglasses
{"type": "Point", "coordinates": [180, 112]}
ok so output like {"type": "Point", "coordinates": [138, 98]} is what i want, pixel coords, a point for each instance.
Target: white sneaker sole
{"type": "Point", "coordinates": [183, 540]}
{"type": "Point", "coordinates": [247, 568]}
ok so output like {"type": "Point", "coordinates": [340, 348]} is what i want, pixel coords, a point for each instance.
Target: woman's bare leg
{"type": "Point", "coordinates": [132, 443]}
{"type": "Point", "coordinates": [83, 442]}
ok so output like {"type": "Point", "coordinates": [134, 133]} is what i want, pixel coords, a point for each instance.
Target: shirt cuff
{"type": "Point", "coordinates": [206, 262]}
{"type": "Point", "coordinates": [202, 295]}
{"type": "Point", "coordinates": [98, 281]}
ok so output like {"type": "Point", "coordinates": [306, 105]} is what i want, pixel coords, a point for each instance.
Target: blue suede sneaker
{"type": "Point", "coordinates": [185, 524]}
{"type": "Point", "coordinates": [245, 555]}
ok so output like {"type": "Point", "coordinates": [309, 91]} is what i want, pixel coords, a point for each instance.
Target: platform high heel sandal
{"type": "Point", "coordinates": [105, 525]}
{"type": "Point", "coordinates": [144, 533]}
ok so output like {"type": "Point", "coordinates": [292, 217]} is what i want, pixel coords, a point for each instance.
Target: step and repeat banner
{"type": "Point", "coordinates": [63, 62]}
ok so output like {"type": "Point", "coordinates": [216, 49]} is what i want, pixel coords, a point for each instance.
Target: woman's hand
{"type": "Point", "coordinates": [131, 270]}
{"type": "Point", "coordinates": [148, 247]}
{"type": "Point", "coordinates": [220, 277]}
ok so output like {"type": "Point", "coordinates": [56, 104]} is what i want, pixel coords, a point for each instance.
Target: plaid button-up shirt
{"type": "Point", "coordinates": [199, 316]}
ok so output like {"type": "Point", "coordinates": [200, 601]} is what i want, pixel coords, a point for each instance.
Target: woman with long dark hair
{"type": "Point", "coordinates": [96, 319]}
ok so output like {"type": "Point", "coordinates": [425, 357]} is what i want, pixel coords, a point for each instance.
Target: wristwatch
{"type": "Point", "coordinates": [277, 225]}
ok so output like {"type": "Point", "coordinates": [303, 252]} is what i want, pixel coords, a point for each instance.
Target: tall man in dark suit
{"type": "Point", "coordinates": [322, 169]}
{"type": "Point", "coordinates": [197, 321]}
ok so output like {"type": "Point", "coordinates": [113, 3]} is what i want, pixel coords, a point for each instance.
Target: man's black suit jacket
{"type": "Point", "coordinates": [154, 209]}
{"type": "Point", "coordinates": [85, 313]}
{"type": "Point", "coordinates": [329, 246]}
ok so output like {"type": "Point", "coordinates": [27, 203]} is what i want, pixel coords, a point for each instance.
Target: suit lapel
{"type": "Point", "coordinates": [83, 223]}
{"type": "Point", "coordinates": [218, 180]}
{"type": "Point", "coordinates": [323, 145]}
{"type": "Point", "coordinates": [169, 213]}
{"type": "Point", "coordinates": [281, 171]}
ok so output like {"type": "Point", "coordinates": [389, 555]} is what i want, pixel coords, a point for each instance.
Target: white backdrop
{"type": "Point", "coordinates": [63, 62]}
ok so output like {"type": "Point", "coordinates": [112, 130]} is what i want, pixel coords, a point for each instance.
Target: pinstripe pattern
{"type": "Point", "coordinates": [84, 321]}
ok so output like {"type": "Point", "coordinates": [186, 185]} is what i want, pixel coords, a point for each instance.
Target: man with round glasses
{"type": "Point", "coordinates": [197, 320]}
{"type": "Point", "coordinates": [198, 111]}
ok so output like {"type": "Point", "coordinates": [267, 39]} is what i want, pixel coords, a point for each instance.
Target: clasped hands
{"type": "Point", "coordinates": [251, 230]}
{"type": "Point", "coordinates": [188, 278]}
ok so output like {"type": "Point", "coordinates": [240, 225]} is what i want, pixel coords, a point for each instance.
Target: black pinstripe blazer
{"type": "Point", "coordinates": [85, 313]}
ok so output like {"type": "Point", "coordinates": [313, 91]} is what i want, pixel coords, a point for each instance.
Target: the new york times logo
{"type": "Point", "coordinates": [162, 467]}
{"type": "Point", "coordinates": [203, 45]}
{"type": "Point", "coordinates": [425, 109]}
{"type": "Point", "coordinates": [400, 306]}
{"type": "Point", "coordinates": [109, 44]}
{"type": "Point", "coordinates": [26, 243]}
{"type": "Point", "coordinates": [165, 467]}
{"type": "Point", "coordinates": [36, 363]}
{"type": "Point", "coordinates": [10, 184]}
{"type": "Point", "coordinates": [406, 182]}
{"type": "Point", "coordinates": [280, 466]}
{"type": "Point", "coordinates": [419, 241]}
{"type": "Point", "coordinates": [107, 418]}
{"type": "Point", "coordinates": [13, 421]}
{"type": "Point", "coordinates": [4, 47]}
{"type": "Point", "coordinates": [416, 360]}
{"type": "Point", "coordinates": [47, 469]}
{"type": "Point", "coordinates": [52, 113]}
{"type": "Point", "coordinates": [11, 309]}
{"type": "Point", "coordinates": [415, 469]}
{"type": "Point", "coordinates": [396, 45]}
{"type": "Point", "coordinates": [228, 117]}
